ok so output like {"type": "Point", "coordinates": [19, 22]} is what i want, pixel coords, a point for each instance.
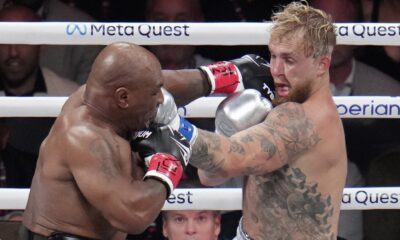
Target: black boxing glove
{"type": "Point", "coordinates": [166, 153]}
{"type": "Point", "coordinates": [249, 71]}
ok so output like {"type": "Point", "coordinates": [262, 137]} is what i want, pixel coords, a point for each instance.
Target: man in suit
{"type": "Point", "coordinates": [68, 61]}
{"type": "Point", "coordinates": [21, 75]}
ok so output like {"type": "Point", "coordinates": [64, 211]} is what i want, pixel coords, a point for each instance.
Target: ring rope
{"type": "Point", "coordinates": [146, 33]}
{"type": "Point", "coordinates": [231, 198]}
{"type": "Point", "coordinates": [348, 107]}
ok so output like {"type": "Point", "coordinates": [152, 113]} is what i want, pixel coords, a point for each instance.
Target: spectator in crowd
{"type": "Point", "coordinates": [351, 221]}
{"type": "Point", "coordinates": [21, 75]}
{"type": "Point", "coordinates": [383, 172]}
{"type": "Point", "coordinates": [13, 216]}
{"type": "Point", "coordinates": [68, 61]}
{"type": "Point", "coordinates": [191, 224]}
{"type": "Point", "coordinates": [176, 56]}
{"type": "Point", "coordinates": [350, 77]}
{"type": "Point", "coordinates": [4, 135]}
{"type": "Point", "coordinates": [385, 58]}
{"type": "Point", "coordinates": [367, 6]}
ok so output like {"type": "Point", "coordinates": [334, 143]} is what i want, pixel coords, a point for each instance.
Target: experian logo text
{"type": "Point", "coordinates": [369, 109]}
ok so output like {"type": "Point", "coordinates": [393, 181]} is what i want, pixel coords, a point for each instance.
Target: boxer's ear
{"type": "Point", "coordinates": [122, 97]}
{"type": "Point", "coordinates": [323, 65]}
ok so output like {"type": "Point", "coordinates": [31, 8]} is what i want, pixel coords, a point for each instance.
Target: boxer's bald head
{"type": "Point", "coordinates": [125, 76]}
{"type": "Point", "coordinates": [124, 63]}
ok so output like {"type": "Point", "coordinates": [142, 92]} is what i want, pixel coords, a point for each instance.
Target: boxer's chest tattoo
{"type": "Point", "coordinates": [288, 207]}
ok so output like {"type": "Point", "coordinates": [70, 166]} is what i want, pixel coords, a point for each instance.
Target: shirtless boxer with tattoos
{"type": "Point", "coordinates": [294, 161]}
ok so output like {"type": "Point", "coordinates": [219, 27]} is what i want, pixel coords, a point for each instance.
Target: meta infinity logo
{"type": "Point", "coordinates": [74, 27]}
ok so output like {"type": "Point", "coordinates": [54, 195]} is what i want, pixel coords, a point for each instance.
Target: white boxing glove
{"type": "Point", "coordinates": [241, 110]}
{"type": "Point", "coordinates": [167, 114]}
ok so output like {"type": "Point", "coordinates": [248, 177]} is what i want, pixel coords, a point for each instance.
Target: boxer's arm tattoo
{"type": "Point", "coordinates": [104, 152]}
{"type": "Point", "coordinates": [236, 147]}
{"type": "Point", "coordinates": [203, 154]}
{"type": "Point", "coordinates": [286, 134]}
{"type": "Point", "coordinates": [268, 145]}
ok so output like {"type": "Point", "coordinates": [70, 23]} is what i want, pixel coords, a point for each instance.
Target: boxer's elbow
{"type": "Point", "coordinates": [209, 179]}
{"type": "Point", "coordinates": [135, 223]}
{"type": "Point", "coordinates": [136, 211]}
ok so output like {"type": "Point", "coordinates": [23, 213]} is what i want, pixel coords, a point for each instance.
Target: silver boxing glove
{"type": "Point", "coordinates": [167, 114]}
{"type": "Point", "coordinates": [241, 110]}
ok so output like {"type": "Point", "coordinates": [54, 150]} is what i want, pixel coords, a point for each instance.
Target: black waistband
{"type": "Point", "coordinates": [65, 236]}
{"type": "Point", "coordinates": [29, 235]}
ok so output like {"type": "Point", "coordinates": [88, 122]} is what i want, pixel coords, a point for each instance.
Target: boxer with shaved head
{"type": "Point", "coordinates": [87, 183]}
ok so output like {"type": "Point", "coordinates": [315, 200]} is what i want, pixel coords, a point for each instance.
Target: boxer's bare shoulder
{"type": "Point", "coordinates": [75, 100]}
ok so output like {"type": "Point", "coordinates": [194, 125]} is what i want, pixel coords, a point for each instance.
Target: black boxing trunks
{"type": "Point", "coordinates": [26, 234]}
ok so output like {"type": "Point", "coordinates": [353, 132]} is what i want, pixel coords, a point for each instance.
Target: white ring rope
{"type": "Point", "coordinates": [231, 198]}
{"type": "Point", "coordinates": [92, 33]}
{"type": "Point", "coordinates": [348, 107]}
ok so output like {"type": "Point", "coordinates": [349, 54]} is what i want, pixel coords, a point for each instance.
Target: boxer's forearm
{"type": "Point", "coordinates": [207, 154]}
{"type": "Point", "coordinates": [186, 85]}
